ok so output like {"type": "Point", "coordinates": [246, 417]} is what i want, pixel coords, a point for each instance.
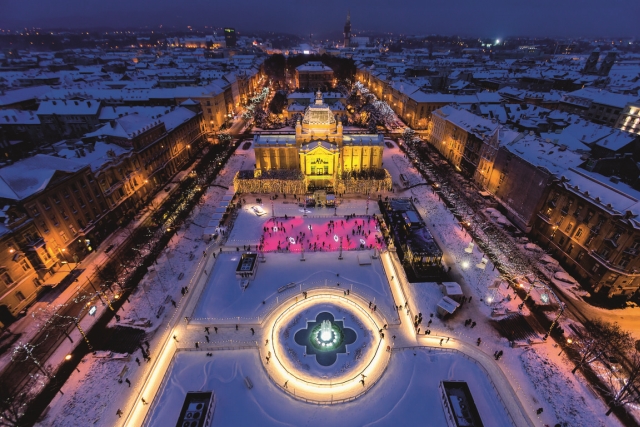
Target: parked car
{"type": "Point", "coordinates": [258, 210]}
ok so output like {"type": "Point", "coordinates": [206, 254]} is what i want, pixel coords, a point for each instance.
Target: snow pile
{"type": "Point", "coordinates": [559, 390]}
{"type": "Point", "coordinates": [564, 277]}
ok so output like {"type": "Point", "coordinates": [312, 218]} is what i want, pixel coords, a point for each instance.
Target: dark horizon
{"type": "Point", "coordinates": [491, 18]}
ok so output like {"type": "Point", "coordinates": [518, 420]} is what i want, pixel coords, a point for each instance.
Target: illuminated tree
{"type": "Point", "coordinates": [598, 339]}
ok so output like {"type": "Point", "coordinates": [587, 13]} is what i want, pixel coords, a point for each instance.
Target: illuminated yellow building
{"type": "Point", "coordinates": [319, 149]}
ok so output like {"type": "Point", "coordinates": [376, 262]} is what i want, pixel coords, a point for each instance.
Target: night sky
{"type": "Point", "coordinates": [486, 18]}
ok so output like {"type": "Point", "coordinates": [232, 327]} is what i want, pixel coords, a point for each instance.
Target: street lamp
{"type": "Point", "coordinates": [569, 341]}
{"type": "Point", "coordinates": [63, 256]}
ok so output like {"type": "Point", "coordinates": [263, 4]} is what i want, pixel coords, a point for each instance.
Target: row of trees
{"type": "Point", "coordinates": [607, 348]}
{"type": "Point", "coordinates": [120, 275]}
{"type": "Point", "coordinates": [370, 111]}
{"type": "Point", "coordinates": [277, 66]}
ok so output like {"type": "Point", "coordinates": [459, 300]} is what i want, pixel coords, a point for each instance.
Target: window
{"type": "Point", "coordinates": [624, 262]}
{"type": "Point", "coordinates": [20, 296]}
{"type": "Point", "coordinates": [589, 216]}
{"type": "Point", "coordinates": [64, 237]}
{"type": "Point", "coordinates": [25, 265]}
{"type": "Point", "coordinates": [569, 227]}
{"type": "Point", "coordinates": [46, 205]}
{"type": "Point", "coordinates": [56, 200]}
{"type": "Point", "coordinates": [616, 236]}
{"type": "Point", "coordinates": [595, 268]}
{"type": "Point", "coordinates": [73, 230]}
{"type": "Point", "coordinates": [43, 226]}
{"type": "Point", "coordinates": [34, 211]}
{"type": "Point", "coordinates": [561, 242]}
{"type": "Point", "coordinates": [578, 233]}
{"type": "Point", "coordinates": [6, 279]}
{"type": "Point", "coordinates": [604, 253]}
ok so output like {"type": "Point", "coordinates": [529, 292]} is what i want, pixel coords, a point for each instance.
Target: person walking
{"type": "Point", "coordinates": [215, 328]}
{"type": "Point", "coordinates": [479, 341]}
{"type": "Point", "coordinates": [286, 384]}
{"type": "Point", "coordinates": [253, 332]}
{"type": "Point", "coordinates": [206, 337]}
{"type": "Point", "coordinates": [126, 380]}
{"type": "Point", "coordinates": [441, 342]}
{"type": "Point", "coordinates": [119, 413]}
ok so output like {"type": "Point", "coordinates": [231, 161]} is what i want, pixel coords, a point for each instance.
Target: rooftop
{"type": "Point", "coordinates": [32, 175]}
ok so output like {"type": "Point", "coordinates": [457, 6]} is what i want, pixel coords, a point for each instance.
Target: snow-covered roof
{"type": "Point", "coordinates": [552, 157]}
{"type": "Point", "coordinates": [69, 107]}
{"type": "Point", "coordinates": [24, 94]}
{"type": "Point", "coordinates": [114, 112]}
{"type": "Point", "coordinates": [18, 117]}
{"type": "Point", "coordinates": [32, 175]}
{"type": "Point", "coordinates": [601, 96]}
{"type": "Point", "coordinates": [126, 127]}
{"type": "Point", "coordinates": [613, 197]}
{"type": "Point", "coordinates": [100, 154]}
{"type": "Point", "coordinates": [314, 66]}
{"type": "Point", "coordinates": [176, 117]}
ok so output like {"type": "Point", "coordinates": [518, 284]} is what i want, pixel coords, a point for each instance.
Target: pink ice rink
{"type": "Point", "coordinates": [294, 233]}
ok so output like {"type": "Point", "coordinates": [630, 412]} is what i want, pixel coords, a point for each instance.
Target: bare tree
{"type": "Point", "coordinates": [623, 385]}
{"type": "Point", "coordinates": [599, 337]}
{"type": "Point", "coordinates": [12, 407]}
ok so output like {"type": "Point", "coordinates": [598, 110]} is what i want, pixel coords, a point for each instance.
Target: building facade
{"type": "Point", "coordinates": [591, 226]}
{"type": "Point", "coordinates": [319, 149]}
{"type": "Point", "coordinates": [314, 76]}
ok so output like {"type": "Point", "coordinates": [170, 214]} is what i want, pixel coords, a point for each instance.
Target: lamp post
{"type": "Point", "coordinates": [98, 293]}
{"type": "Point", "coordinates": [569, 341]}
{"type": "Point", "coordinates": [64, 257]}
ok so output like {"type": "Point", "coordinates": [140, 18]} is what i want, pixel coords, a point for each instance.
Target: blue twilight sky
{"type": "Point", "coordinates": [486, 18]}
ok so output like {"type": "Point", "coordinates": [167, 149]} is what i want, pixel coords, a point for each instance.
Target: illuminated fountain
{"type": "Point", "coordinates": [326, 338]}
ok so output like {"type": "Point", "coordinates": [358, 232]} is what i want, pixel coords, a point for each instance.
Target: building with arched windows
{"type": "Point", "coordinates": [319, 153]}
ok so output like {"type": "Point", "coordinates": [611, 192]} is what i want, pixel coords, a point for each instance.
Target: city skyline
{"type": "Point", "coordinates": [493, 18]}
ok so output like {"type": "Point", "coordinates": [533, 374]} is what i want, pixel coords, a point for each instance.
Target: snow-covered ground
{"type": "Point", "coordinates": [224, 302]}
{"type": "Point", "coordinates": [475, 282]}
{"type": "Point", "coordinates": [407, 392]}
{"type": "Point", "coordinates": [406, 395]}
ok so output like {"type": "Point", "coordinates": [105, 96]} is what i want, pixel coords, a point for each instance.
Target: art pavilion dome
{"type": "Point", "coordinates": [318, 113]}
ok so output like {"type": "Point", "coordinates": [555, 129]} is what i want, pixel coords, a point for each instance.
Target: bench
{"type": "Point", "coordinates": [285, 287]}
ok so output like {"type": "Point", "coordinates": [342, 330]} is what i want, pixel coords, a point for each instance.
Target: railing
{"type": "Point", "coordinates": [330, 385]}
